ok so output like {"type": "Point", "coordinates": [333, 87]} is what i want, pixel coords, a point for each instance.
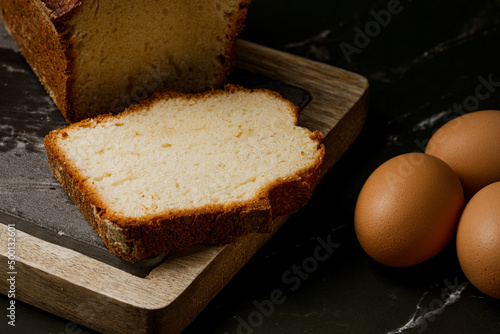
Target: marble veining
{"type": "Point", "coordinates": [429, 122]}
{"type": "Point", "coordinates": [422, 314]}
{"type": "Point", "coordinates": [315, 38]}
{"type": "Point", "coordinates": [12, 69]}
{"type": "Point", "coordinates": [11, 186]}
{"type": "Point", "coordinates": [459, 40]}
{"type": "Point", "coordinates": [315, 51]}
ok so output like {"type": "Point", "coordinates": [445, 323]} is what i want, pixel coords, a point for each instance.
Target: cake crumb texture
{"type": "Point", "coordinates": [180, 169]}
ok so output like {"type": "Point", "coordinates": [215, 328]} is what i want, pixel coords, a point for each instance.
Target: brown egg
{"type": "Point", "coordinates": [478, 240]}
{"type": "Point", "coordinates": [408, 210]}
{"type": "Point", "coordinates": [470, 144]}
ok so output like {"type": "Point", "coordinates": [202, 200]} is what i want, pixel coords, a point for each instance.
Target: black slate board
{"type": "Point", "coordinates": [30, 196]}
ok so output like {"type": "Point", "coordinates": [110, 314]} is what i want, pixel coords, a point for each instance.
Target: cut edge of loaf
{"type": "Point", "coordinates": [133, 239]}
{"type": "Point", "coordinates": [50, 51]}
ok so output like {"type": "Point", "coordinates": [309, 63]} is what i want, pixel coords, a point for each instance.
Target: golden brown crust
{"type": "Point", "coordinates": [238, 24]}
{"type": "Point", "coordinates": [47, 49]}
{"type": "Point", "coordinates": [58, 9]}
{"type": "Point", "coordinates": [134, 239]}
{"type": "Point", "coordinates": [288, 196]}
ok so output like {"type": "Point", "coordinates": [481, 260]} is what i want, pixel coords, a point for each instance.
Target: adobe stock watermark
{"type": "Point", "coordinates": [407, 165]}
{"type": "Point", "coordinates": [373, 28]}
{"type": "Point", "coordinates": [486, 87]}
{"type": "Point", "coordinates": [11, 274]}
{"type": "Point", "coordinates": [292, 279]}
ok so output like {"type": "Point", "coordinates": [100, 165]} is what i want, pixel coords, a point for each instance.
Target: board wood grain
{"type": "Point", "coordinates": [91, 293]}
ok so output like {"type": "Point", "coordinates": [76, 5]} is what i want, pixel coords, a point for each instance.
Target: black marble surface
{"type": "Point", "coordinates": [424, 62]}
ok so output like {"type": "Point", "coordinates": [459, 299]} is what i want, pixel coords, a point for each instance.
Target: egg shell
{"type": "Point", "coordinates": [478, 240]}
{"type": "Point", "coordinates": [408, 210]}
{"type": "Point", "coordinates": [470, 145]}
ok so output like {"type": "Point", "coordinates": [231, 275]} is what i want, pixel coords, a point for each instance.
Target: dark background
{"type": "Point", "coordinates": [426, 61]}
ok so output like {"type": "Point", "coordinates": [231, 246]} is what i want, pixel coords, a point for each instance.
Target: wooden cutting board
{"type": "Point", "coordinates": [85, 289]}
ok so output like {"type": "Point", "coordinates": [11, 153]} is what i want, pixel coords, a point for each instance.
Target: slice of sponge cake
{"type": "Point", "coordinates": [180, 169]}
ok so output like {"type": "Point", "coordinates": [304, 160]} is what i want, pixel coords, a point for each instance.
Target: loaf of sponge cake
{"type": "Point", "coordinates": [99, 56]}
{"type": "Point", "coordinates": [181, 169]}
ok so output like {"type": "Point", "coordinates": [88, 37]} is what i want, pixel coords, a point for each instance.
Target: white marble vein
{"type": "Point", "coordinates": [11, 69]}
{"type": "Point", "coordinates": [471, 31]}
{"type": "Point", "coordinates": [419, 319]}
{"type": "Point", "coordinates": [429, 122]}
{"type": "Point", "coordinates": [11, 186]}
{"type": "Point", "coordinates": [319, 52]}
{"type": "Point", "coordinates": [315, 38]}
